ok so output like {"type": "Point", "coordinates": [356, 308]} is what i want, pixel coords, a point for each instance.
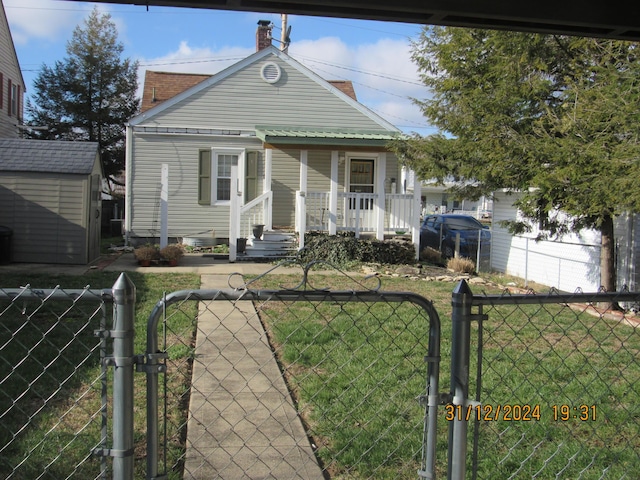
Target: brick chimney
{"type": "Point", "coordinates": [263, 35]}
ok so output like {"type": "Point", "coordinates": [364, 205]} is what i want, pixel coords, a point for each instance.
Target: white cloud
{"type": "Point", "coordinates": [383, 74]}
{"type": "Point", "coordinates": [43, 19]}
{"type": "Point", "coordinates": [186, 58]}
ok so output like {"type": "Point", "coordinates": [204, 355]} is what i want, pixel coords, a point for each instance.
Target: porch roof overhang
{"type": "Point", "coordinates": [324, 137]}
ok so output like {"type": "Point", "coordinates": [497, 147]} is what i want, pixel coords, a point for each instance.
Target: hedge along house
{"type": "Point", "coordinates": [265, 141]}
{"type": "Point", "coordinates": [50, 199]}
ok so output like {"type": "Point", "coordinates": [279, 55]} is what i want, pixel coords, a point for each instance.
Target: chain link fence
{"type": "Point", "coordinates": [555, 387]}
{"type": "Point", "coordinates": [53, 385]}
{"type": "Point", "coordinates": [325, 378]}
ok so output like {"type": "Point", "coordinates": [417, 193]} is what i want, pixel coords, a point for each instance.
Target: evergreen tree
{"type": "Point", "coordinates": [90, 94]}
{"type": "Point", "coordinates": [554, 118]}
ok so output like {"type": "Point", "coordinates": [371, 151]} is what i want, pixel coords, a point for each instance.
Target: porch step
{"type": "Point", "coordinates": [272, 245]}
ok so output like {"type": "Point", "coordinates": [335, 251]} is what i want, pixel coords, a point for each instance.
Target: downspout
{"type": "Point", "coordinates": [268, 166]}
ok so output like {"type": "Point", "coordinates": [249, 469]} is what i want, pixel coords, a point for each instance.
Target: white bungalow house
{"type": "Point", "coordinates": [267, 142]}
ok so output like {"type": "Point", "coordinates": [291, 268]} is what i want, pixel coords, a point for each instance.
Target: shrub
{"type": "Point", "coordinates": [146, 253]}
{"type": "Point", "coordinates": [172, 252]}
{"type": "Point", "coordinates": [461, 265]}
{"type": "Point", "coordinates": [344, 250]}
{"type": "Point", "coordinates": [431, 255]}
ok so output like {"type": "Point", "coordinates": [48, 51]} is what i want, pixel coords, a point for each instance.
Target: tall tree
{"type": "Point", "coordinates": [90, 94]}
{"type": "Point", "coordinates": [553, 118]}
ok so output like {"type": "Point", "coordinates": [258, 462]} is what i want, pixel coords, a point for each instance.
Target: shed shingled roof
{"type": "Point", "coordinates": [47, 156]}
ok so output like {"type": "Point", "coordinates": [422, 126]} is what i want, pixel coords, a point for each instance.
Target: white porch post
{"type": "Point", "coordinates": [128, 173]}
{"type": "Point", "coordinates": [164, 205]}
{"type": "Point", "coordinates": [234, 215]}
{"type": "Point", "coordinates": [301, 206]}
{"type": "Point", "coordinates": [380, 202]}
{"type": "Point", "coordinates": [333, 194]}
{"type": "Point", "coordinates": [268, 165]}
{"type": "Point", "coordinates": [415, 215]}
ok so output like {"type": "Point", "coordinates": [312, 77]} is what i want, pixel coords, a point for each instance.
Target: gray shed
{"type": "Point", "coordinates": [50, 197]}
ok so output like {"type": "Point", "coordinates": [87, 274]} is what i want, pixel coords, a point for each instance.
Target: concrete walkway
{"type": "Point", "coordinates": [242, 421]}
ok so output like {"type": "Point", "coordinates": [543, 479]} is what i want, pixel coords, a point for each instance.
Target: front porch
{"type": "Point", "coordinates": [328, 180]}
{"type": "Point", "coordinates": [370, 214]}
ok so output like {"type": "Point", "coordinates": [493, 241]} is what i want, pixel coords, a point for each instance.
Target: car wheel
{"type": "Point", "coordinates": [447, 251]}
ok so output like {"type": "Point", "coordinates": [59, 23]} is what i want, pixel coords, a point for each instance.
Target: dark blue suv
{"type": "Point", "coordinates": [440, 232]}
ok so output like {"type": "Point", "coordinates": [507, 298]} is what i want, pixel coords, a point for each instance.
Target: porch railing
{"type": "Point", "coordinates": [243, 217]}
{"type": "Point", "coordinates": [356, 212]}
{"type": "Point", "coordinates": [256, 212]}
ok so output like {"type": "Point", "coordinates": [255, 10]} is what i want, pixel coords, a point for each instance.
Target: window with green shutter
{"type": "Point", "coordinates": [204, 177]}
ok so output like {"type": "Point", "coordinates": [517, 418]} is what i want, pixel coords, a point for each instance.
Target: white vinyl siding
{"type": "Point", "coordinates": [286, 181]}
{"type": "Point", "coordinates": [319, 172]}
{"type": "Point", "coordinates": [243, 100]}
{"type": "Point", "coordinates": [187, 215]}
{"type": "Point", "coordinates": [9, 75]}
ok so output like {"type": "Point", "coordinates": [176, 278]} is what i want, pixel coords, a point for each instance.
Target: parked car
{"type": "Point", "coordinates": [440, 232]}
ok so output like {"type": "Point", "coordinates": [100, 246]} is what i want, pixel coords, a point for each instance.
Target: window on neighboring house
{"type": "Point", "coordinates": [14, 98]}
{"type": "Point", "coordinates": [214, 175]}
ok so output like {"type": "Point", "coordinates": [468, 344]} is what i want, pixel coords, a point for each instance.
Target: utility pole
{"type": "Point", "coordinates": [285, 32]}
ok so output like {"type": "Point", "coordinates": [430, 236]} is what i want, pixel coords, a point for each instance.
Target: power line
{"type": "Point", "coordinates": [352, 69]}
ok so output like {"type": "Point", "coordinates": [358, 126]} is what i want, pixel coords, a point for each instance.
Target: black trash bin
{"type": "Point", "coordinates": [5, 245]}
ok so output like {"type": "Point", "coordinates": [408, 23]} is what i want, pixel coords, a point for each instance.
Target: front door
{"type": "Point", "coordinates": [361, 177]}
{"type": "Point", "coordinates": [361, 181]}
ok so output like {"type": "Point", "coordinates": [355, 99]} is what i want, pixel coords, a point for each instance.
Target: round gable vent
{"type": "Point", "coordinates": [270, 72]}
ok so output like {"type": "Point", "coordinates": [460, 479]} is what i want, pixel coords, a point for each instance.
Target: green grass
{"type": "Point", "coordinates": [50, 373]}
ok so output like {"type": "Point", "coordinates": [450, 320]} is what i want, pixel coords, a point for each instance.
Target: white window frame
{"type": "Point", "coordinates": [215, 153]}
{"type": "Point", "coordinates": [14, 93]}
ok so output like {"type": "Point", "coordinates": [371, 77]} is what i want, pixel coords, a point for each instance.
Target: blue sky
{"type": "Point", "coordinates": [374, 55]}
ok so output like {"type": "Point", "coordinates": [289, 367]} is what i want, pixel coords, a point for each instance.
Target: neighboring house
{"type": "Point", "coordinates": [566, 263]}
{"type": "Point", "coordinates": [50, 199]}
{"type": "Point", "coordinates": [11, 83]}
{"type": "Point", "coordinates": [49, 190]}
{"type": "Point", "coordinates": [265, 141]}
{"type": "Point", "coordinates": [437, 199]}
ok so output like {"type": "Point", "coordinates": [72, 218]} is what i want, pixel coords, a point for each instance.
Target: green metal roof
{"type": "Point", "coordinates": [324, 136]}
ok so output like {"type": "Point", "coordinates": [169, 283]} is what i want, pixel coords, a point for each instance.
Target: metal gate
{"type": "Point", "coordinates": [293, 382]}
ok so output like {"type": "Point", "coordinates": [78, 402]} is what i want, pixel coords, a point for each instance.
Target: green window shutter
{"type": "Point", "coordinates": [251, 177]}
{"type": "Point", "coordinates": [204, 177]}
